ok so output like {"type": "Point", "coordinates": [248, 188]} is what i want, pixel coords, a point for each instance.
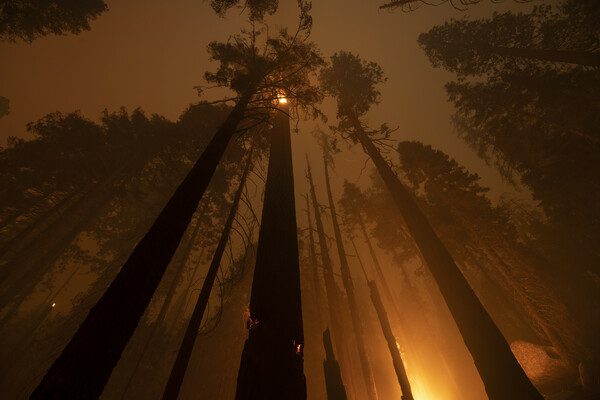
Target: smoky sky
{"type": "Point", "coordinates": [151, 54]}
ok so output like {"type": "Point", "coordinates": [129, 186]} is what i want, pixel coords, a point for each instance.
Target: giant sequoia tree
{"type": "Point", "coordinates": [534, 115]}
{"type": "Point", "coordinates": [272, 360]}
{"type": "Point", "coordinates": [352, 82]}
{"type": "Point", "coordinates": [256, 75]}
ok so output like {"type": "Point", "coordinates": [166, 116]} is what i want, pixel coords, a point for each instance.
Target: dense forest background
{"type": "Point", "coordinates": [482, 115]}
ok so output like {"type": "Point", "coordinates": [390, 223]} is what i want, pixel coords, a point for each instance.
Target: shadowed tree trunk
{"type": "Point", "coordinates": [160, 319]}
{"type": "Point", "coordinates": [349, 286]}
{"type": "Point", "coordinates": [187, 345]}
{"type": "Point", "coordinates": [313, 260]}
{"type": "Point", "coordinates": [333, 298]}
{"type": "Point", "coordinates": [333, 375]}
{"type": "Point", "coordinates": [500, 371]}
{"type": "Point", "coordinates": [271, 366]}
{"type": "Point", "coordinates": [84, 366]}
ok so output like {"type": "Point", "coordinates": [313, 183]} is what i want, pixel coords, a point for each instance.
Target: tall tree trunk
{"type": "Point", "coordinates": [82, 369]}
{"type": "Point", "coordinates": [166, 304]}
{"type": "Point", "coordinates": [377, 265]}
{"type": "Point", "coordinates": [271, 365]}
{"type": "Point", "coordinates": [313, 261]}
{"type": "Point", "coordinates": [349, 286]}
{"type": "Point", "coordinates": [333, 375]}
{"type": "Point", "coordinates": [500, 371]}
{"type": "Point", "coordinates": [333, 296]}
{"type": "Point", "coordinates": [189, 338]}
{"type": "Point", "coordinates": [391, 341]}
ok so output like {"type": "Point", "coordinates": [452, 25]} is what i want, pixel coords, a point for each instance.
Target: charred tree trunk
{"type": "Point", "coordinates": [349, 286]}
{"type": "Point", "coordinates": [500, 371]}
{"type": "Point", "coordinates": [377, 265]}
{"type": "Point", "coordinates": [391, 341]}
{"type": "Point", "coordinates": [313, 260]}
{"type": "Point", "coordinates": [82, 369]}
{"type": "Point", "coordinates": [187, 345]}
{"type": "Point", "coordinates": [333, 375]}
{"type": "Point", "coordinates": [333, 297]}
{"type": "Point", "coordinates": [272, 360]}
{"type": "Point", "coordinates": [165, 306]}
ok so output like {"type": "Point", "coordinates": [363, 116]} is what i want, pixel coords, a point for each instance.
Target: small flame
{"type": "Point", "coordinates": [298, 348]}
{"type": "Point", "coordinates": [53, 305]}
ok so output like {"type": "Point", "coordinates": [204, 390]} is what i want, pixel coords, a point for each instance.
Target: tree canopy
{"type": "Point", "coordinates": [29, 20]}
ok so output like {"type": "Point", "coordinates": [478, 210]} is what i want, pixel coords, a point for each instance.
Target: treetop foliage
{"type": "Point", "coordinates": [269, 67]}
{"type": "Point", "coordinates": [412, 5]}
{"type": "Point", "coordinates": [351, 81]}
{"type": "Point", "coordinates": [257, 8]}
{"type": "Point", "coordinates": [31, 19]}
{"type": "Point", "coordinates": [470, 47]}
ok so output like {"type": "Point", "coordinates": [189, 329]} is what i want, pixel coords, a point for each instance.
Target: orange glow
{"type": "Point", "coordinates": [53, 305]}
{"type": "Point", "coordinates": [282, 100]}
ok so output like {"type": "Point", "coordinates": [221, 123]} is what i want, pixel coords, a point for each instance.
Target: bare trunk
{"type": "Point", "coordinates": [82, 369]}
{"type": "Point", "coordinates": [313, 260]}
{"type": "Point", "coordinates": [165, 306]}
{"type": "Point", "coordinates": [185, 350]}
{"type": "Point", "coordinates": [349, 286]}
{"type": "Point", "coordinates": [333, 375]}
{"type": "Point", "coordinates": [271, 365]}
{"type": "Point", "coordinates": [333, 296]}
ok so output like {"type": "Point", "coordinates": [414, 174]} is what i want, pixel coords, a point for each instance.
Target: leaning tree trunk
{"type": "Point", "coordinates": [84, 366]}
{"type": "Point", "coordinates": [391, 341]}
{"type": "Point", "coordinates": [349, 286]}
{"type": "Point", "coordinates": [160, 319]}
{"type": "Point", "coordinates": [271, 365]}
{"type": "Point", "coordinates": [333, 298]}
{"type": "Point", "coordinates": [500, 371]}
{"type": "Point", "coordinates": [185, 350]}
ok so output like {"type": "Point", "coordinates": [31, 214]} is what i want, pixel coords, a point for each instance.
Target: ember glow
{"type": "Point", "coordinates": [53, 305]}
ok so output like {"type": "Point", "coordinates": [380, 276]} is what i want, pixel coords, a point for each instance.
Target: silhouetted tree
{"type": "Point", "coordinates": [352, 82]}
{"type": "Point", "coordinates": [334, 300]}
{"type": "Point", "coordinates": [515, 40]}
{"type": "Point", "coordinates": [185, 350]}
{"type": "Point", "coordinates": [347, 278]}
{"type": "Point", "coordinates": [257, 77]}
{"type": "Point", "coordinates": [256, 8]}
{"type": "Point", "coordinates": [28, 20]}
{"type": "Point", "coordinates": [272, 361]}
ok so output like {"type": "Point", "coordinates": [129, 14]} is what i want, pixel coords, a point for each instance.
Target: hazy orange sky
{"type": "Point", "coordinates": [152, 53]}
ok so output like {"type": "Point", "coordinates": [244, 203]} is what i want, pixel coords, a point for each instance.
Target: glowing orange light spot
{"type": "Point", "coordinates": [53, 305]}
{"type": "Point", "coordinates": [282, 100]}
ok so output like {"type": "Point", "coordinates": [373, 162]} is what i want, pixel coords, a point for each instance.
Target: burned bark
{"type": "Point", "coordinates": [271, 365]}
{"type": "Point", "coordinates": [333, 375]}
